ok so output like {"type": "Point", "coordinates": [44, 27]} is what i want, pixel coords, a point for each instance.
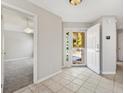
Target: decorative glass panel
{"type": "Point", "coordinates": [67, 46]}
{"type": "Point", "coordinates": [78, 39]}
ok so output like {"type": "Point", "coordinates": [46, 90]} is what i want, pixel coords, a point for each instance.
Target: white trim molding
{"type": "Point", "coordinates": [47, 77]}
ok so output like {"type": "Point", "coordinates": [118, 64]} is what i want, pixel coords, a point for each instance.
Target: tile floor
{"type": "Point", "coordinates": [79, 80]}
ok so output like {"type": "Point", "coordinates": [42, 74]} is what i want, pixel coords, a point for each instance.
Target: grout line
{"type": "Point", "coordinates": [76, 77]}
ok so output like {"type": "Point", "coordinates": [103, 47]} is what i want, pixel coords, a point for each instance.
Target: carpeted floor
{"type": "Point", "coordinates": [18, 74]}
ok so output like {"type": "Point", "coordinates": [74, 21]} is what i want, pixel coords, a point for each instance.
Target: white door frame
{"type": "Point", "coordinates": [35, 18]}
{"type": "Point", "coordinates": [70, 30]}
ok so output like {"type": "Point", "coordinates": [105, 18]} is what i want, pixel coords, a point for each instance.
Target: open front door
{"type": "Point", "coordinates": [93, 48]}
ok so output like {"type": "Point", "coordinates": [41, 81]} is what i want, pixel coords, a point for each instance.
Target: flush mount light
{"type": "Point", "coordinates": [75, 2]}
{"type": "Point", "coordinates": [28, 29]}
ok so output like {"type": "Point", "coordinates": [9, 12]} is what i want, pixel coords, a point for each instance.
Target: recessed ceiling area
{"type": "Point", "coordinates": [87, 11]}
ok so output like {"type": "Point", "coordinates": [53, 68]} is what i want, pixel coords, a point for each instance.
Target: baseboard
{"type": "Point", "coordinates": [47, 77]}
{"type": "Point", "coordinates": [108, 72]}
{"type": "Point", "coordinates": [16, 59]}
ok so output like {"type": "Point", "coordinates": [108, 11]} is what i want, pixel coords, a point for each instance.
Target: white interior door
{"type": "Point", "coordinates": [93, 48]}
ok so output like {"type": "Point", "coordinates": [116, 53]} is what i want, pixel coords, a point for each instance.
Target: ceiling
{"type": "Point", "coordinates": [87, 11]}
{"type": "Point", "coordinates": [15, 21]}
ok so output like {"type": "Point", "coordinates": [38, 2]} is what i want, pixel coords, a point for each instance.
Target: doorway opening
{"type": "Point", "coordinates": [82, 48]}
{"type": "Point", "coordinates": [74, 53]}
{"type": "Point", "coordinates": [78, 48]}
{"type": "Point", "coordinates": [19, 32]}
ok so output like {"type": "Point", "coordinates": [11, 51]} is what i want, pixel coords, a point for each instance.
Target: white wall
{"type": "Point", "coordinates": [76, 25]}
{"type": "Point", "coordinates": [18, 45]}
{"type": "Point", "coordinates": [108, 45]}
{"type": "Point", "coordinates": [49, 56]}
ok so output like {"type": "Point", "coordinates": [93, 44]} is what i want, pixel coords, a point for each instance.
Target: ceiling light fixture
{"type": "Point", "coordinates": [28, 29]}
{"type": "Point", "coordinates": [75, 2]}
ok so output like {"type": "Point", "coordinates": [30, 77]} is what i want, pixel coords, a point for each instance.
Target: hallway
{"type": "Point", "coordinates": [79, 80]}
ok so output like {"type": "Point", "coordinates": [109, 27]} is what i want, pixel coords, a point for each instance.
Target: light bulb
{"type": "Point", "coordinates": [28, 30]}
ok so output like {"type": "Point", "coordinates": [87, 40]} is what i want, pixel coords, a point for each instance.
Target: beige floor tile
{"type": "Point", "coordinates": [43, 89]}
{"type": "Point", "coordinates": [64, 82]}
{"type": "Point", "coordinates": [78, 81]}
{"type": "Point", "coordinates": [116, 84]}
{"type": "Point", "coordinates": [118, 89]}
{"type": "Point", "coordinates": [61, 74]}
{"type": "Point", "coordinates": [26, 90]}
{"type": "Point", "coordinates": [22, 90]}
{"type": "Point", "coordinates": [84, 90]}
{"type": "Point", "coordinates": [56, 78]}
{"type": "Point", "coordinates": [103, 90]}
{"type": "Point", "coordinates": [105, 82]}
{"type": "Point", "coordinates": [108, 86]}
{"type": "Point", "coordinates": [119, 80]}
{"type": "Point", "coordinates": [83, 77]}
{"type": "Point", "coordinates": [89, 71]}
{"type": "Point", "coordinates": [39, 88]}
{"type": "Point", "coordinates": [93, 81]}
{"type": "Point", "coordinates": [48, 82]}
{"type": "Point", "coordinates": [69, 77]}
{"type": "Point", "coordinates": [95, 76]}
{"type": "Point", "coordinates": [55, 87]}
{"type": "Point", "coordinates": [74, 74]}
{"type": "Point", "coordinates": [67, 72]}
{"type": "Point", "coordinates": [89, 86]}
{"type": "Point", "coordinates": [73, 87]}
{"type": "Point", "coordinates": [65, 90]}
{"type": "Point", "coordinates": [86, 74]}
{"type": "Point", "coordinates": [34, 87]}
